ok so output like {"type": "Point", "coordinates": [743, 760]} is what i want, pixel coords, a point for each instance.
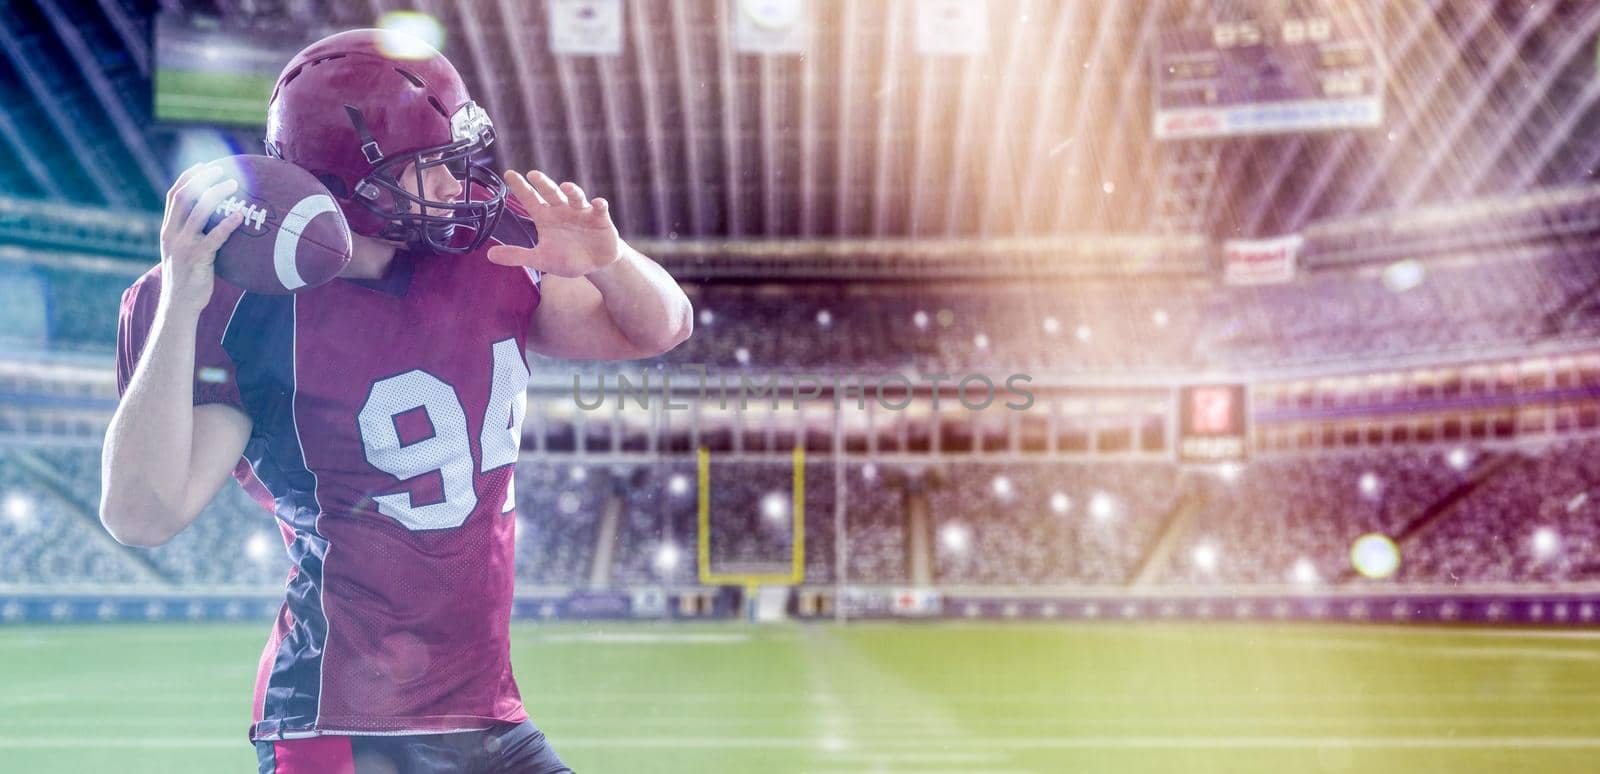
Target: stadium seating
{"type": "Point", "coordinates": [1535, 521]}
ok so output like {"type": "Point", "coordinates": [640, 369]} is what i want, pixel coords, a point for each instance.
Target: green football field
{"type": "Point", "coordinates": [882, 698]}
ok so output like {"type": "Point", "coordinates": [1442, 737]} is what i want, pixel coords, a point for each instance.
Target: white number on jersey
{"type": "Point", "coordinates": [448, 450]}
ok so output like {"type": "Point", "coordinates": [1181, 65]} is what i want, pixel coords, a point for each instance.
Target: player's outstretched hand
{"type": "Point", "coordinates": [576, 235]}
{"type": "Point", "coordinates": [188, 254]}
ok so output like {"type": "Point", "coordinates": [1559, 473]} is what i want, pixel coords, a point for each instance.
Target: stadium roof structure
{"type": "Point", "coordinates": [1045, 133]}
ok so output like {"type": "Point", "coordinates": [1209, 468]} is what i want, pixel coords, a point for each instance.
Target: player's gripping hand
{"type": "Point", "coordinates": [188, 254]}
{"type": "Point", "coordinates": [576, 235]}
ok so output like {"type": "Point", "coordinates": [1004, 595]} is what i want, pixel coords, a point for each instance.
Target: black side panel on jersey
{"type": "Point", "coordinates": [261, 341]}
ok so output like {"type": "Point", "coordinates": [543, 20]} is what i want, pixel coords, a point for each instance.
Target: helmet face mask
{"type": "Point", "coordinates": [418, 220]}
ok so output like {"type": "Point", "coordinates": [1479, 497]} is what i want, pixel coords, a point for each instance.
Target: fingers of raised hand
{"type": "Point", "coordinates": [181, 196]}
{"type": "Point", "coordinates": [575, 196]}
{"type": "Point", "coordinates": [207, 204]}
{"type": "Point", "coordinates": [506, 255]}
{"type": "Point", "coordinates": [546, 187]}
{"type": "Point", "coordinates": [524, 192]}
{"type": "Point", "coordinates": [212, 241]}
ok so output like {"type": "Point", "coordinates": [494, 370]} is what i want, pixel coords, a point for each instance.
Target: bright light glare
{"type": "Point", "coordinates": [1369, 484]}
{"type": "Point", "coordinates": [1375, 555]}
{"type": "Point", "coordinates": [258, 547]}
{"type": "Point", "coordinates": [1305, 573]}
{"type": "Point", "coordinates": [1459, 458]}
{"type": "Point", "coordinates": [955, 537]}
{"type": "Point", "coordinates": [1102, 507]}
{"type": "Point", "coordinates": [568, 502]}
{"type": "Point", "coordinates": [667, 557]}
{"type": "Point", "coordinates": [1545, 542]}
{"type": "Point", "coordinates": [774, 506]}
{"type": "Point", "coordinates": [1205, 557]}
{"type": "Point", "coordinates": [19, 508]}
{"type": "Point", "coordinates": [410, 35]}
{"type": "Point", "coordinates": [679, 485]}
{"type": "Point", "coordinates": [1401, 276]}
{"type": "Point", "coordinates": [1001, 487]}
{"type": "Point", "coordinates": [1060, 503]}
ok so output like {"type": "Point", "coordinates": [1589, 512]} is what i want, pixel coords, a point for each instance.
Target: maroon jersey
{"type": "Point", "coordinates": [386, 423]}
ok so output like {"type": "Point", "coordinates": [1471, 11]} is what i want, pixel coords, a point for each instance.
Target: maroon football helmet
{"type": "Point", "coordinates": [358, 107]}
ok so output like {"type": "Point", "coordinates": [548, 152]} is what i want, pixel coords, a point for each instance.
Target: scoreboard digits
{"type": "Point", "coordinates": [1256, 73]}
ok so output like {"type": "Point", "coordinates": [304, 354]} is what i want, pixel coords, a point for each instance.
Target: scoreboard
{"type": "Point", "coordinates": [1213, 424]}
{"type": "Point", "coordinates": [1266, 69]}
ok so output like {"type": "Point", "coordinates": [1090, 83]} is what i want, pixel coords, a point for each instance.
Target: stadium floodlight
{"type": "Point", "coordinates": [1060, 503]}
{"type": "Point", "coordinates": [955, 537]}
{"type": "Point", "coordinates": [824, 318]}
{"type": "Point", "coordinates": [679, 484]}
{"type": "Point", "coordinates": [742, 355]}
{"type": "Point", "coordinates": [1205, 557]}
{"type": "Point", "coordinates": [1305, 573]}
{"type": "Point", "coordinates": [1084, 333]}
{"type": "Point", "coordinates": [1459, 458]}
{"type": "Point", "coordinates": [1369, 484]}
{"type": "Point", "coordinates": [1001, 486]}
{"type": "Point", "coordinates": [1103, 507]}
{"type": "Point", "coordinates": [1546, 543]}
{"type": "Point", "coordinates": [1052, 326]}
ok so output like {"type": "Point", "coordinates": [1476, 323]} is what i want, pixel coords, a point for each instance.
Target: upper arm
{"type": "Point", "coordinates": [571, 323]}
{"type": "Point", "coordinates": [220, 435]}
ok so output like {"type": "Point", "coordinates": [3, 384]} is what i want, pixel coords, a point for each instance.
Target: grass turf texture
{"type": "Point", "coordinates": [882, 698]}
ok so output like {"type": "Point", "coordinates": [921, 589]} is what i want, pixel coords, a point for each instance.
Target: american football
{"type": "Point", "coordinates": [293, 236]}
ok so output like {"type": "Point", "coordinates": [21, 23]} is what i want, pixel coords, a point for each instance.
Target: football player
{"type": "Point", "coordinates": [377, 416]}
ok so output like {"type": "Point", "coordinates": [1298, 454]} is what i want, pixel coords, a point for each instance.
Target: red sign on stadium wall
{"type": "Point", "coordinates": [1260, 261]}
{"type": "Point", "coordinates": [1213, 423]}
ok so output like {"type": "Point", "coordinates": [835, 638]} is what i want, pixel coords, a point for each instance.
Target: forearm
{"type": "Point", "coordinates": [146, 458]}
{"type": "Point", "coordinates": [644, 301]}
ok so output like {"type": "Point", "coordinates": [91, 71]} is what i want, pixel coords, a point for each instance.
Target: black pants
{"type": "Point", "coordinates": [511, 748]}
